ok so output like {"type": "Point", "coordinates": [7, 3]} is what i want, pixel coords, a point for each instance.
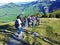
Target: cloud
{"type": "Point", "coordinates": [7, 1]}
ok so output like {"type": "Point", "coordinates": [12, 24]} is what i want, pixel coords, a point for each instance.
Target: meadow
{"type": "Point", "coordinates": [49, 27]}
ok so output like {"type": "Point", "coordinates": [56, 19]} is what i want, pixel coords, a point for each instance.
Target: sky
{"type": "Point", "coordinates": [8, 1]}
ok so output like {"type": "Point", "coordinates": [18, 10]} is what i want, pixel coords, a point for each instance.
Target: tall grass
{"type": "Point", "coordinates": [49, 27]}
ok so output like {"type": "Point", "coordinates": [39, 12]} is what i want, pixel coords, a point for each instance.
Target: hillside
{"type": "Point", "coordinates": [55, 5]}
{"type": "Point", "coordinates": [11, 10]}
{"type": "Point", "coordinates": [49, 28]}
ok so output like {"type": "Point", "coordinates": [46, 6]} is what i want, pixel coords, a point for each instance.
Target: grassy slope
{"type": "Point", "coordinates": [10, 13]}
{"type": "Point", "coordinates": [47, 28]}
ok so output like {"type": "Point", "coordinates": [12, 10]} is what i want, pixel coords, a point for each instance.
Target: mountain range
{"type": "Point", "coordinates": [30, 6]}
{"type": "Point", "coordinates": [26, 8]}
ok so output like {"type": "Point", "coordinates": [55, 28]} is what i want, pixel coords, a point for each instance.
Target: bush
{"type": "Point", "coordinates": [52, 15]}
{"type": "Point", "coordinates": [45, 16]}
{"type": "Point", "coordinates": [57, 15]}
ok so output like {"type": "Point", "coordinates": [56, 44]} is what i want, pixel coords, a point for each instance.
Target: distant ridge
{"type": "Point", "coordinates": [28, 8]}
{"type": "Point", "coordinates": [54, 5]}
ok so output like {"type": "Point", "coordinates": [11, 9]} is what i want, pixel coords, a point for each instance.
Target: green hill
{"type": "Point", "coordinates": [8, 12]}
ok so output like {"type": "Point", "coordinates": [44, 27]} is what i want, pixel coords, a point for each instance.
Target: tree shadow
{"type": "Point", "coordinates": [7, 27]}
{"type": "Point", "coordinates": [4, 26]}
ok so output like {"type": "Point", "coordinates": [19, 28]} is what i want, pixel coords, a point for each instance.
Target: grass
{"type": "Point", "coordinates": [1, 43]}
{"type": "Point", "coordinates": [49, 27]}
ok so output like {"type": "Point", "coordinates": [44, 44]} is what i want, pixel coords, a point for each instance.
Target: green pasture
{"type": "Point", "coordinates": [49, 27]}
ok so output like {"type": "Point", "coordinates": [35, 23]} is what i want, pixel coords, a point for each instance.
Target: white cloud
{"type": "Point", "coordinates": [52, 0]}
{"type": "Point", "coordinates": [7, 1]}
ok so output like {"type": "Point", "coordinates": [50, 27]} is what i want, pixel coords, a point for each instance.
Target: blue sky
{"type": "Point", "coordinates": [8, 1]}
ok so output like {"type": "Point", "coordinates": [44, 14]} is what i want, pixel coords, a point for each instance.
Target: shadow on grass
{"type": "Point", "coordinates": [51, 35]}
{"type": "Point", "coordinates": [4, 26]}
{"type": "Point", "coordinates": [7, 27]}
